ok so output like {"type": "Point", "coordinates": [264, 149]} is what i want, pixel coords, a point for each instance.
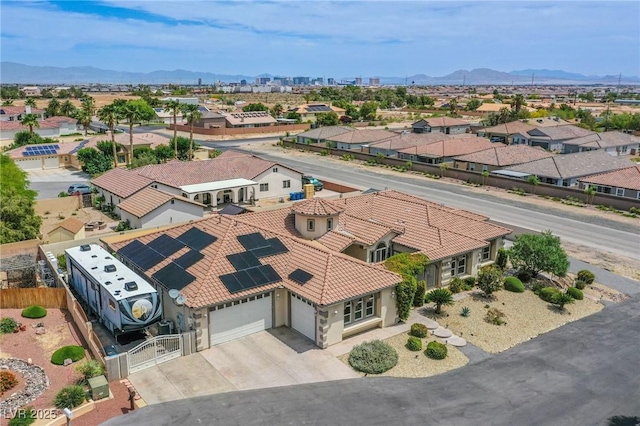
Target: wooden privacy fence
{"type": "Point", "coordinates": [18, 298]}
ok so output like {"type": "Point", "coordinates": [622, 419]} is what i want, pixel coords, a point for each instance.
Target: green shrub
{"type": "Point", "coordinates": [575, 293]}
{"type": "Point", "coordinates": [495, 316]}
{"type": "Point", "coordinates": [7, 325]}
{"type": "Point", "coordinates": [23, 417]}
{"type": "Point", "coordinates": [75, 353]}
{"type": "Point", "coordinates": [419, 330]}
{"type": "Point", "coordinates": [439, 296]}
{"type": "Point", "coordinates": [418, 298]}
{"type": "Point", "coordinates": [414, 344]}
{"type": "Point", "coordinates": [89, 369]}
{"type": "Point", "coordinates": [586, 276]}
{"type": "Point", "coordinates": [562, 299]}
{"type": "Point", "coordinates": [69, 397]}
{"type": "Point", "coordinates": [34, 311]}
{"type": "Point", "coordinates": [469, 283]}
{"type": "Point", "coordinates": [580, 285]}
{"type": "Point", "coordinates": [436, 350]}
{"type": "Point", "coordinates": [536, 286]}
{"type": "Point", "coordinates": [502, 258]}
{"type": "Point", "coordinates": [524, 275]}
{"type": "Point", "coordinates": [513, 284]}
{"type": "Point", "coordinates": [8, 381]}
{"type": "Point", "coordinates": [374, 357]}
{"type": "Point", "coordinates": [465, 312]}
{"type": "Point", "coordinates": [456, 285]}
{"type": "Point", "coordinates": [548, 293]}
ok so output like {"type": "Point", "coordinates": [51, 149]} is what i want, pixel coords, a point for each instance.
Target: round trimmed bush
{"type": "Point", "coordinates": [580, 285]}
{"type": "Point", "coordinates": [69, 397]}
{"type": "Point", "coordinates": [374, 357]}
{"type": "Point", "coordinates": [414, 344]}
{"type": "Point", "coordinates": [548, 293]}
{"type": "Point", "coordinates": [513, 284]}
{"type": "Point", "coordinates": [34, 311]}
{"type": "Point", "coordinates": [575, 293]}
{"type": "Point", "coordinates": [586, 276]}
{"type": "Point", "coordinates": [436, 350]}
{"type": "Point", "coordinates": [7, 325]}
{"type": "Point", "coordinates": [75, 353]}
{"type": "Point", "coordinates": [456, 285]}
{"type": "Point", "coordinates": [419, 330]}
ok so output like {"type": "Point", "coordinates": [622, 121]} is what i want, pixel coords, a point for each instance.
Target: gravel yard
{"type": "Point", "coordinates": [417, 364]}
{"type": "Point", "coordinates": [526, 317]}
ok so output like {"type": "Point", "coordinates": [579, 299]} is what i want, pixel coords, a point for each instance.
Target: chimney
{"type": "Point", "coordinates": [27, 109]}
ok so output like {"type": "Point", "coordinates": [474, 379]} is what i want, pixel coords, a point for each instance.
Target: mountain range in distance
{"type": "Point", "coordinates": [15, 73]}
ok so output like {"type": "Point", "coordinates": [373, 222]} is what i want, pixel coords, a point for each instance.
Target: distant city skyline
{"type": "Point", "coordinates": [324, 39]}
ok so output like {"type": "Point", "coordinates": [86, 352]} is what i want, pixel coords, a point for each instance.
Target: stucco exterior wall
{"type": "Point", "coordinates": [275, 181]}
{"type": "Point", "coordinates": [166, 214]}
{"type": "Point", "coordinates": [281, 308]}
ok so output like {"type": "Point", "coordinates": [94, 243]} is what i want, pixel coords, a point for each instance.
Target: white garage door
{"type": "Point", "coordinates": [51, 163]}
{"type": "Point", "coordinates": [34, 163]}
{"type": "Point", "coordinates": [246, 317]}
{"type": "Point", "coordinates": [303, 317]}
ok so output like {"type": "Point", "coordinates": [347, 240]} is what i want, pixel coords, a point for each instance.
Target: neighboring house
{"type": "Point", "coordinates": [167, 116]}
{"type": "Point", "coordinates": [249, 119]}
{"type": "Point", "coordinates": [321, 134]}
{"type": "Point", "coordinates": [621, 183]}
{"type": "Point", "coordinates": [445, 150]}
{"type": "Point", "coordinates": [613, 143]}
{"type": "Point", "coordinates": [68, 230]}
{"type": "Point", "coordinates": [554, 138]}
{"type": "Point", "coordinates": [52, 127]}
{"type": "Point", "coordinates": [15, 113]}
{"type": "Point", "coordinates": [140, 140]}
{"type": "Point", "coordinates": [499, 156]}
{"type": "Point", "coordinates": [117, 185]}
{"type": "Point", "coordinates": [358, 139]}
{"type": "Point", "coordinates": [237, 277]}
{"type": "Point", "coordinates": [191, 101]}
{"type": "Point", "coordinates": [151, 207]}
{"type": "Point", "coordinates": [31, 91]}
{"type": "Point", "coordinates": [212, 119]}
{"type": "Point", "coordinates": [447, 125]}
{"type": "Point", "coordinates": [514, 132]}
{"type": "Point", "coordinates": [43, 156]}
{"type": "Point", "coordinates": [392, 146]}
{"type": "Point", "coordinates": [567, 169]}
{"type": "Point", "coordinates": [308, 112]}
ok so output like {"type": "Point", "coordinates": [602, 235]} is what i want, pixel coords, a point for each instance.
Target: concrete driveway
{"type": "Point", "coordinates": [50, 182]}
{"type": "Point", "coordinates": [278, 357]}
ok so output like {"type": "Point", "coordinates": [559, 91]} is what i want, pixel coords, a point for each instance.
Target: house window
{"type": "Point", "coordinates": [329, 224]}
{"type": "Point", "coordinates": [121, 159]}
{"type": "Point", "coordinates": [347, 313]}
{"type": "Point", "coordinates": [369, 307]}
{"type": "Point", "coordinates": [275, 170]}
{"type": "Point", "coordinates": [311, 224]}
{"type": "Point", "coordinates": [358, 309]}
{"type": "Point", "coordinates": [173, 201]}
{"type": "Point", "coordinates": [624, 149]}
{"type": "Point", "coordinates": [112, 305]}
{"type": "Point", "coordinates": [485, 168]}
{"type": "Point", "coordinates": [264, 187]}
{"type": "Point", "coordinates": [486, 253]}
{"type": "Point", "coordinates": [458, 265]}
{"type": "Point", "coordinates": [286, 184]}
{"type": "Point", "coordinates": [620, 192]}
{"type": "Point", "coordinates": [472, 166]}
{"type": "Point", "coordinates": [379, 254]}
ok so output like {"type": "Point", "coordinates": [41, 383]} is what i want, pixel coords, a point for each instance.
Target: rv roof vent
{"type": "Point", "coordinates": [107, 258]}
{"type": "Point", "coordinates": [121, 278]}
{"type": "Point", "coordinates": [94, 256]}
{"type": "Point", "coordinates": [117, 292]}
{"type": "Point", "coordinates": [131, 286]}
{"type": "Point", "coordinates": [107, 283]}
{"type": "Point", "coordinates": [95, 267]}
{"type": "Point", "coordinates": [109, 268]}
{"type": "Point", "coordinates": [85, 247]}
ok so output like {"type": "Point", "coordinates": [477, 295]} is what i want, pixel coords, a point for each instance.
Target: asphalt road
{"type": "Point", "coordinates": [581, 374]}
{"type": "Point", "coordinates": [608, 235]}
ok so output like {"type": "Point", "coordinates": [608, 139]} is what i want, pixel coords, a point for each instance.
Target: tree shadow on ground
{"type": "Point", "coordinates": [556, 309]}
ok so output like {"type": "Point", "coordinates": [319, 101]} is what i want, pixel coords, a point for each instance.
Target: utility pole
{"type": "Point", "coordinates": [619, 79]}
{"type": "Point", "coordinates": [532, 78]}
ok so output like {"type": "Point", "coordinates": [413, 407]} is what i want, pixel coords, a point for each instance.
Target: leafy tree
{"type": "Point", "coordinates": [368, 110]}
{"type": "Point", "coordinates": [562, 299]}
{"type": "Point", "coordinates": [31, 121]}
{"type": "Point", "coordinates": [164, 152]}
{"type": "Point", "coordinates": [485, 175]}
{"type": "Point", "coordinates": [535, 253]}
{"type": "Point", "coordinates": [534, 181]}
{"type": "Point", "coordinates": [441, 297]}
{"type": "Point", "coordinates": [93, 161]}
{"type": "Point", "coordinates": [408, 265]}
{"type": "Point", "coordinates": [144, 158]}
{"type": "Point", "coordinates": [489, 280]}
{"type": "Point", "coordinates": [67, 109]}
{"type": "Point", "coordinates": [192, 114]}
{"type": "Point", "coordinates": [53, 108]}
{"type": "Point", "coordinates": [405, 292]}
{"type": "Point", "coordinates": [291, 115]}
{"type": "Point", "coordinates": [473, 104]}
{"type": "Point", "coordinates": [173, 107]}
{"type": "Point", "coordinates": [453, 107]}
{"type": "Point", "coordinates": [109, 115]}
{"type": "Point", "coordinates": [133, 112]}
{"type": "Point", "coordinates": [255, 107]}
{"type": "Point", "coordinates": [30, 102]}
{"type": "Point", "coordinates": [18, 220]}
{"type": "Point", "coordinates": [277, 110]}
{"type": "Point", "coordinates": [327, 119]}
{"type": "Point", "coordinates": [418, 298]}
{"type": "Point", "coordinates": [21, 138]}
{"type": "Point", "coordinates": [183, 147]}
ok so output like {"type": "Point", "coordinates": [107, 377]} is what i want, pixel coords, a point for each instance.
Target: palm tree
{"type": "Point", "coordinates": [534, 181]}
{"type": "Point", "coordinates": [562, 299]}
{"type": "Point", "coordinates": [84, 117]}
{"type": "Point", "coordinates": [109, 115]}
{"type": "Point", "coordinates": [485, 175]}
{"type": "Point", "coordinates": [30, 120]}
{"type": "Point", "coordinates": [590, 192]}
{"type": "Point", "coordinates": [518, 103]}
{"type": "Point", "coordinates": [192, 114]}
{"type": "Point", "coordinates": [7, 102]}
{"type": "Point", "coordinates": [453, 106]}
{"type": "Point", "coordinates": [173, 107]}
{"type": "Point", "coordinates": [277, 110]}
{"type": "Point", "coordinates": [89, 105]}
{"type": "Point", "coordinates": [67, 108]}
{"type": "Point", "coordinates": [53, 108]}
{"type": "Point", "coordinates": [133, 113]}
{"type": "Point", "coordinates": [30, 102]}
{"type": "Point", "coordinates": [441, 297]}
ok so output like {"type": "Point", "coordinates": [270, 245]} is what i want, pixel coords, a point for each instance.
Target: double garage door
{"type": "Point", "coordinates": [240, 318]}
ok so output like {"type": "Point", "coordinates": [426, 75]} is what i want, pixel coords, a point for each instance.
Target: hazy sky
{"type": "Point", "coordinates": [331, 39]}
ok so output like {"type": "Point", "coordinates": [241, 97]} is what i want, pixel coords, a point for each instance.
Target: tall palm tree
{"type": "Point", "coordinates": [277, 110]}
{"type": "Point", "coordinates": [89, 105]}
{"type": "Point", "coordinates": [109, 115]}
{"type": "Point", "coordinates": [84, 117]}
{"type": "Point", "coordinates": [173, 106]}
{"type": "Point", "coordinates": [192, 114]}
{"type": "Point", "coordinates": [30, 120]}
{"type": "Point", "coordinates": [133, 113]}
{"type": "Point", "coordinates": [453, 106]}
{"type": "Point", "coordinates": [30, 102]}
{"type": "Point", "coordinates": [518, 103]}
{"type": "Point", "coordinates": [67, 108]}
{"type": "Point", "coordinates": [53, 108]}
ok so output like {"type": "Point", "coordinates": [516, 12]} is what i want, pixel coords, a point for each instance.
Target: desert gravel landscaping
{"type": "Point", "coordinates": [526, 317]}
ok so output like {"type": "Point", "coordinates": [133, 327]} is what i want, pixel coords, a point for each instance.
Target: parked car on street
{"type": "Point", "coordinates": [317, 185]}
{"type": "Point", "coordinates": [79, 189]}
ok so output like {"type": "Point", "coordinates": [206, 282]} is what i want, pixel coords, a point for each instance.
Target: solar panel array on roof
{"type": "Point", "coordinates": [300, 276]}
{"type": "Point", "coordinates": [260, 246]}
{"type": "Point", "coordinates": [174, 277]}
{"type": "Point", "coordinates": [196, 239]}
{"type": "Point", "coordinates": [318, 108]}
{"type": "Point", "coordinates": [250, 278]}
{"type": "Point", "coordinates": [79, 147]}
{"type": "Point", "coordinates": [243, 260]}
{"type": "Point", "coordinates": [252, 241]}
{"type": "Point", "coordinates": [166, 245]}
{"type": "Point", "coordinates": [188, 259]}
{"type": "Point", "coordinates": [35, 150]}
{"type": "Point", "coordinates": [275, 247]}
{"type": "Point", "coordinates": [143, 256]}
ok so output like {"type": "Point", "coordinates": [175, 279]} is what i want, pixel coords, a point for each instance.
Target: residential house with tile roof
{"type": "Point", "coordinates": [321, 134]}
{"type": "Point", "coordinates": [567, 169]}
{"type": "Point", "coordinates": [514, 132]}
{"type": "Point", "coordinates": [444, 151]}
{"type": "Point", "coordinates": [621, 183]}
{"type": "Point", "coordinates": [554, 138]}
{"type": "Point", "coordinates": [309, 112]}
{"type": "Point", "coordinates": [613, 143]}
{"type": "Point", "coordinates": [446, 125]}
{"type": "Point", "coordinates": [405, 140]}
{"type": "Point", "coordinates": [151, 207]}
{"type": "Point", "coordinates": [358, 139]}
{"type": "Point", "coordinates": [51, 127]}
{"type": "Point", "coordinates": [499, 156]}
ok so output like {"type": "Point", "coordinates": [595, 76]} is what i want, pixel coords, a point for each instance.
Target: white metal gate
{"type": "Point", "coordinates": [154, 351]}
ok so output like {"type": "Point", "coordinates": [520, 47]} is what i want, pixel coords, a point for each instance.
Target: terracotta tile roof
{"type": "Point", "coordinates": [509, 128]}
{"type": "Point", "coordinates": [316, 207]}
{"type": "Point", "coordinates": [71, 224]}
{"type": "Point", "coordinates": [574, 165]}
{"type": "Point", "coordinates": [121, 182]}
{"type": "Point", "coordinates": [336, 241]}
{"type": "Point", "coordinates": [605, 140]}
{"type": "Point", "coordinates": [445, 122]}
{"type": "Point", "coordinates": [148, 199]}
{"type": "Point", "coordinates": [628, 178]}
{"type": "Point", "coordinates": [505, 155]}
{"type": "Point", "coordinates": [304, 109]}
{"type": "Point", "coordinates": [450, 147]}
{"type": "Point", "coordinates": [408, 140]}
{"type": "Point", "coordinates": [65, 148]}
{"type": "Point", "coordinates": [560, 132]}
{"type": "Point", "coordinates": [362, 136]}
{"type": "Point", "coordinates": [336, 277]}
{"type": "Point", "coordinates": [47, 123]}
{"type": "Point", "coordinates": [17, 110]}
{"type": "Point", "coordinates": [151, 139]}
{"type": "Point", "coordinates": [325, 132]}
{"type": "Point", "coordinates": [489, 107]}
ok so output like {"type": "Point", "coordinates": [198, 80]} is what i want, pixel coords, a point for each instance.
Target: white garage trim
{"type": "Point", "coordinates": [240, 318]}
{"type": "Point", "coordinates": [30, 164]}
{"type": "Point", "coordinates": [303, 316]}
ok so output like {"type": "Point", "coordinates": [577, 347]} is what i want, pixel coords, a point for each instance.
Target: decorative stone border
{"type": "Point", "coordinates": [36, 383]}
